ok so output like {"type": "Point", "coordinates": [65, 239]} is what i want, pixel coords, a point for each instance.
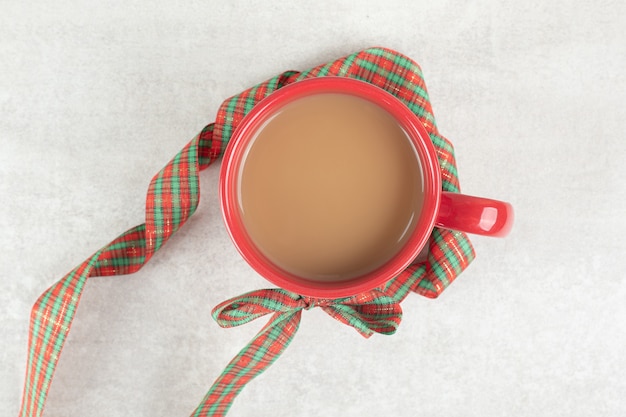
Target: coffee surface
{"type": "Point", "coordinates": [331, 187]}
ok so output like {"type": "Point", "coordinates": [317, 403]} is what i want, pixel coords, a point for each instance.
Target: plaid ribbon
{"type": "Point", "coordinates": [369, 312]}
{"type": "Point", "coordinates": [173, 197]}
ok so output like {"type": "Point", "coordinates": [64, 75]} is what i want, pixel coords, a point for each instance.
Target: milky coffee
{"type": "Point", "coordinates": [331, 187]}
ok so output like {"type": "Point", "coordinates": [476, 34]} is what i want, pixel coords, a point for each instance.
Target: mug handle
{"type": "Point", "coordinates": [476, 215]}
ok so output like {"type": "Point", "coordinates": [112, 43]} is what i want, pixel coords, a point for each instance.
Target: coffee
{"type": "Point", "coordinates": [330, 188]}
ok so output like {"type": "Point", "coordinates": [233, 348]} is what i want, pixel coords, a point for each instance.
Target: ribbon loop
{"type": "Point", "coordinates": [254, 304]}
{"type": "Point", "coordinates": [370, 312]}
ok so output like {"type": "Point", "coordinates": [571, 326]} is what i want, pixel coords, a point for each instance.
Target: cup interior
{"type": "Point", "coordinates": [238, 148]}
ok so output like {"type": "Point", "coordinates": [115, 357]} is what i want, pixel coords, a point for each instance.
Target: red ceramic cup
{"type": "Point", "coordinates": [442, 209]}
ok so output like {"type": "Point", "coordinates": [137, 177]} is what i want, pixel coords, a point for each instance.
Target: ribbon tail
{"type": "Point", "coordinates": [251, 361]}
{"type": "Point", "coordinates": [172, 197]}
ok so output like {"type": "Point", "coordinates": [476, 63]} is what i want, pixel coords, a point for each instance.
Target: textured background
{"type": "Point", "coordinates": [95, 97]}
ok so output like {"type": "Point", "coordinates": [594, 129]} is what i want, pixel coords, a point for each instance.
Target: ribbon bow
{"type": "Point", "coordinates": [370, 312]}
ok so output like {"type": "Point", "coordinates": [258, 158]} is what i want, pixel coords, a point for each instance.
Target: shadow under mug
{"type": "Point", "coordinates": [441, 209]}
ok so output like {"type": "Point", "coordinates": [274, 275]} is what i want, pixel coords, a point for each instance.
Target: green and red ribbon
{"type": "Point", "coordinates": [173, 196]}
{"type": "Point", "coordinates": [369, 312]}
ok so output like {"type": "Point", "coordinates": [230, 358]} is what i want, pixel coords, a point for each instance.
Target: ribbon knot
{"type": "Point", "coordinates": [312, 302]}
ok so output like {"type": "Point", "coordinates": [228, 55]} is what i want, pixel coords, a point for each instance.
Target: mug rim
{"type": "Point", "coordinates": [235, 154]}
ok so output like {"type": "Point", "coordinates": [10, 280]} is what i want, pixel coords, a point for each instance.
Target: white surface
{"type": "Point", "coordinates": [95, 97]}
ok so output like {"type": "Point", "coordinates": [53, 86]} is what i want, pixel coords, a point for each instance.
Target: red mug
{"type": "Point", "coordinates": [441, 209]}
